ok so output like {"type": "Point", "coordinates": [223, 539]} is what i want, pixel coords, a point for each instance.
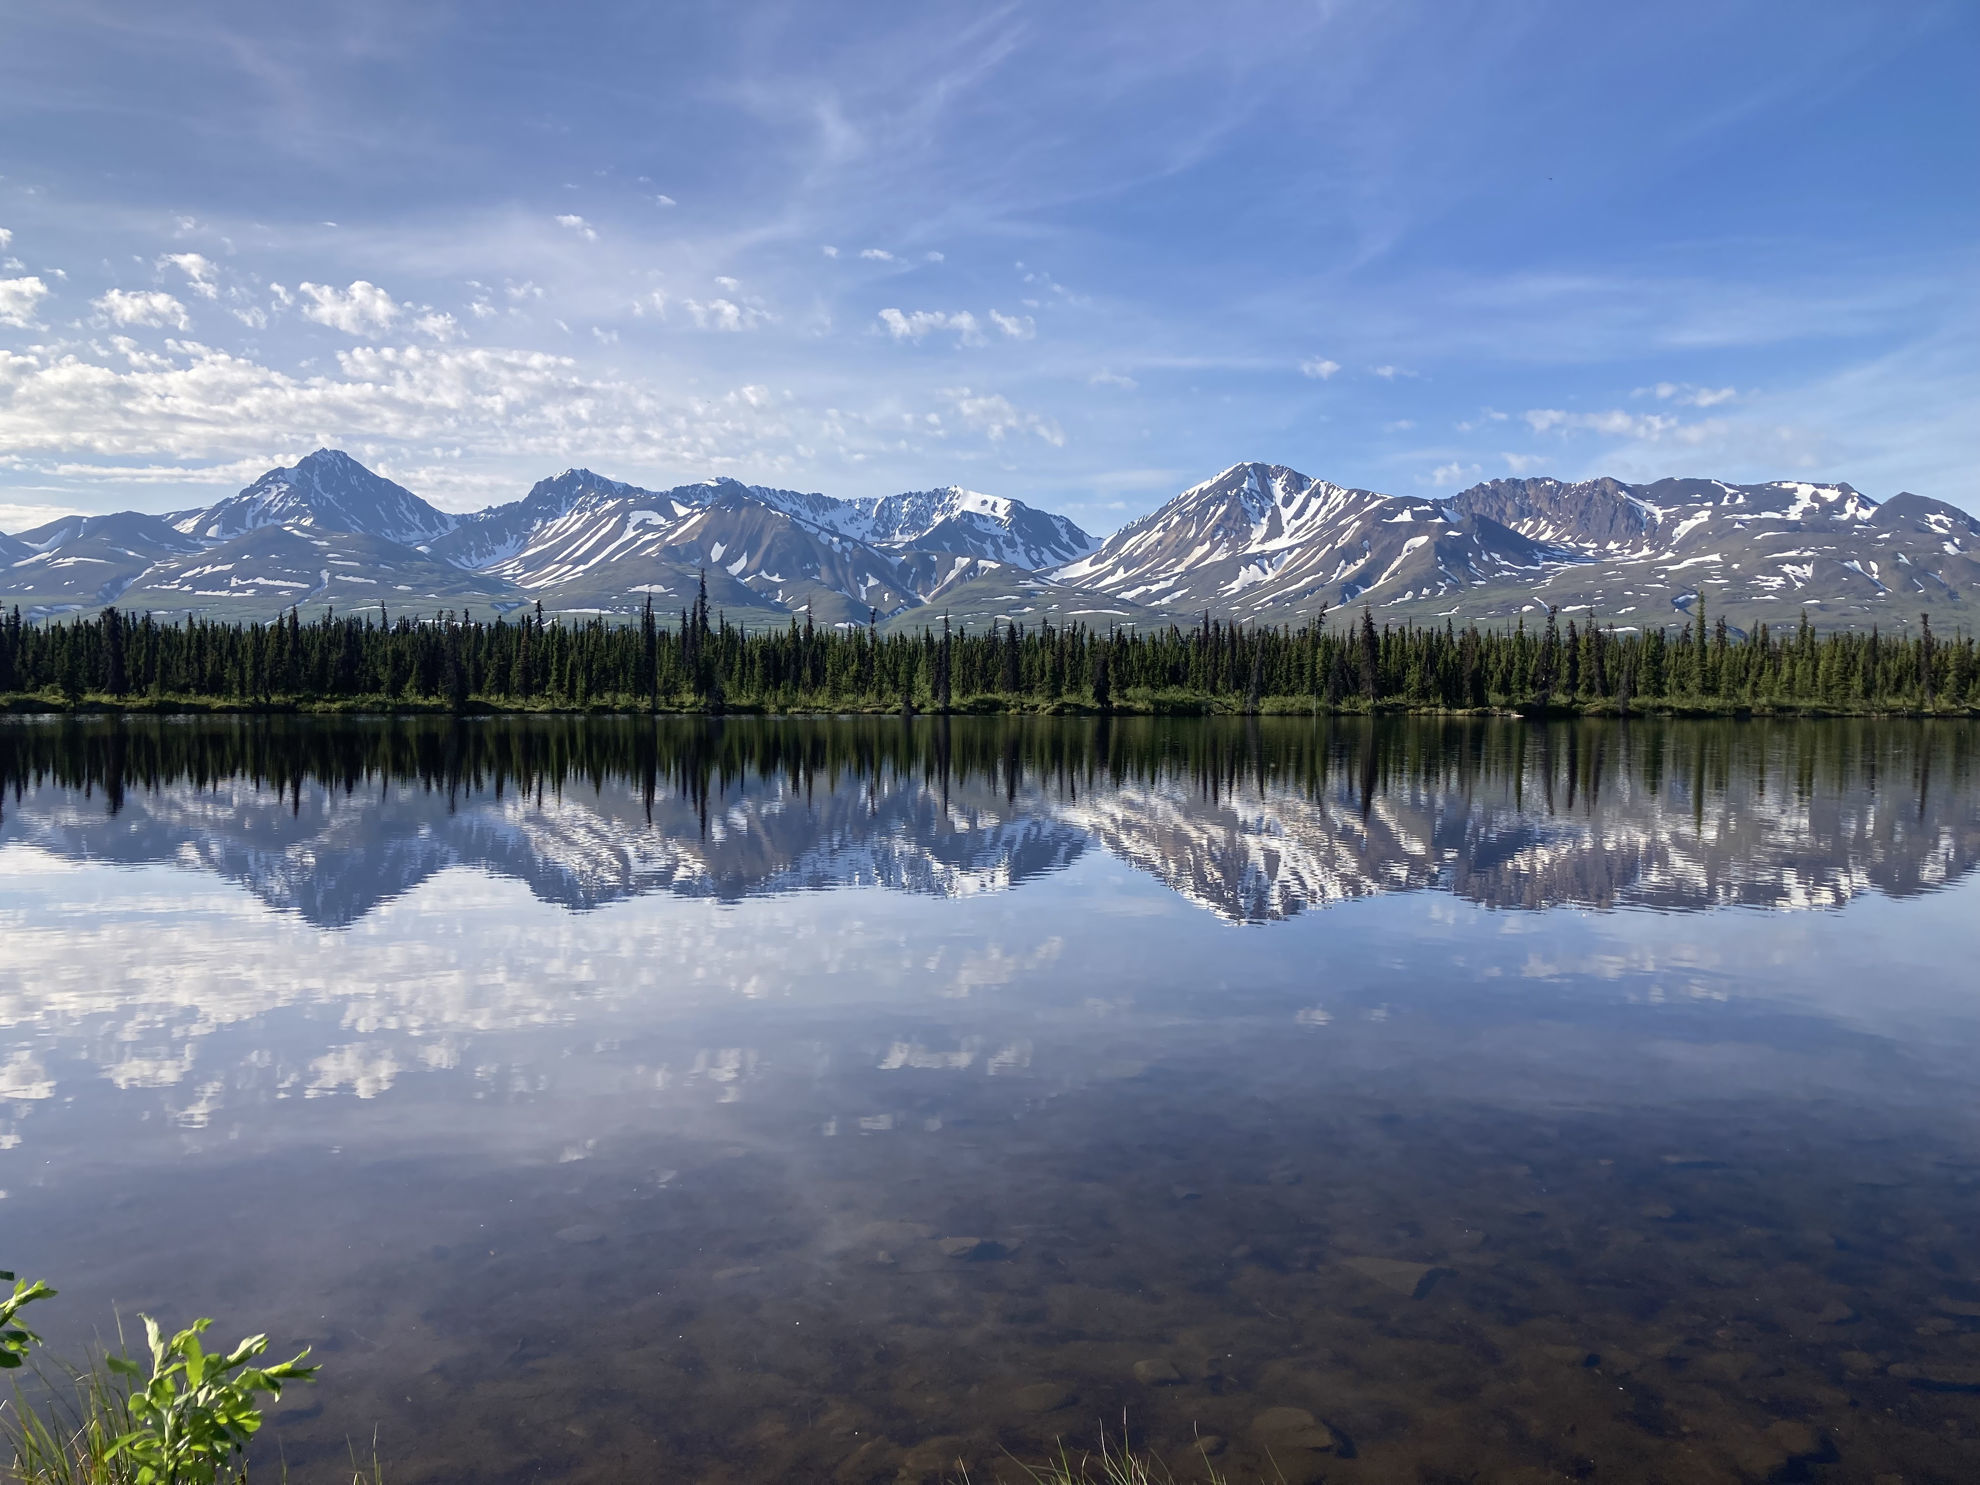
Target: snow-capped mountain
{"type": "Point", "coordinates": [1757, 553]}
{"type": "Point", "coordinates": [610, 552]}
{"type": "Point", "coordinates": [970, 524]}
{"type": "Point", "coordinates": [269, 569]}
{"type": "Point", "coordinates": [1259, 543]}
{"type": "Point", "coordinates": [328, 490]}
{"type": "Point", "coordinates": [1268, 543]}
{"type": "Point", "coordinates": [498, 534]}
{"type": "Point", "coordinates": [583, 542]}
{"type": "Point", "coordinates": [1262, 538]}
{"type": "Point", "coordinates": [84, 561]}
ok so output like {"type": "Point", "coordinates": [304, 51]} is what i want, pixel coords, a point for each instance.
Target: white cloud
{"type": "Point", "coordinates": [724, 282]}
{"type": "Point", "coordinates": [929, 257]}
{"type": "Point", "coordinates": [208, 406]}
{"type": "Point", "coordinates": [142, 307]}
{"type": "Point", "coordinates": [1318, 368]}
{"type": "Point", "coordinates": [1617, 423]}
{"type": "Point", "coordinates": [727, 314]}
{"type": "Point", "coordinates": [18, 297]}
{"type": "Point", "coordinates": [993, 415]}
{"type": "Point", "coordinates": [877, 255]}
{"type": "Point", "coordinates": [362, 309]}
{"type": "Point", "coordinates": [439, 325]}
{"type": "Point", "coordinates": [654, 303]}
{"type": "Point", "coordinates": [1390, 373]}
{"type": "Point", "coordinates": [201, 275]}
{"type": "Point", "coordinates": [578, 225]}
{"type": "Point", "coordinates": [914, 324]}
{"type": "Point", "coordinates": [829, 251]}
{"type": "Point", "coordinates": [1112, 379]}
{"type": "Point", "coordinates": [1521, 463]}
{"type": "Point", "coordinates": [14, 517]}
{"type": "Point", "coordinates": [665, 201]}
{"type": "Point", "coordinates": [1401, 425]}
{"type": "Point", "coordinates": [1453, 473]}
{"type": "Point", "coordinates": [1686, 395]}
{"type": "Point", "coordinates": [1017, 327]}
{"type": "Point", "coordinates": [254, 317]}
{"type": "Point", "coordinates": [1486, 416]}
{"type": "Point", "coordinates": [6, 239]}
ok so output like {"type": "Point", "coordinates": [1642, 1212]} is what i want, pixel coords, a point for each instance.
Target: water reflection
{"type": "Point", "coordinates": [1256, 822]}
{"type": "Point", "coordinates": [831, 1101]}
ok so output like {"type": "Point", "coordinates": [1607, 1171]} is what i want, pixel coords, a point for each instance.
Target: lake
{"type": "Point", "coordinates": [1414, 1100]}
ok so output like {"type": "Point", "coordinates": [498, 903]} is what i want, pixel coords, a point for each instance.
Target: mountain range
{"type": "Point", "coordinates": [1257, 543]}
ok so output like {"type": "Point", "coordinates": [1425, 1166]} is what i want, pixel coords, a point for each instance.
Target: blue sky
{"type": "Point", "coordinates": [1082, 255]}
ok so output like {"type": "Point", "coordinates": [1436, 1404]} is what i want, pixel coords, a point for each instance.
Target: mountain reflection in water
{"type": "Point", "coordinates": [1256, 821]}
{"type": "Point", "coordinates": [836, 1100]}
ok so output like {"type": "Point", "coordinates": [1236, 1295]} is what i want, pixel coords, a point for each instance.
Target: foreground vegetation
{"type": "Point", "coordinates": [186, 1420]}
{"type": "Point", "coordinates": [450, 664]}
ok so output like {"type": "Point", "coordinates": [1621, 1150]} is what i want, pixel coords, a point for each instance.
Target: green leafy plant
{"type": "Point", "coordinates": [15, 1339]}
{"type": "Point", "coordinates": [187, 1423]}
{"type": "Point", "coordinates": [196, 1412]}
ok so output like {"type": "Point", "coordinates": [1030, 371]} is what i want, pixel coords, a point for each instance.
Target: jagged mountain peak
{"type": "Point", "coordinates": [327, 489]}
{"type": "Point", "coordinates": [968, 523]}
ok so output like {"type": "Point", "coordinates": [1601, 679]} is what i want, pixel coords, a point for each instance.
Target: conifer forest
{"type": "Point", "coordinates": [689, 663]}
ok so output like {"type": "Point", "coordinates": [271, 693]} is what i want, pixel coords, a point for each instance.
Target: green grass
{"type": "Point", "coordinates": [1114, 1463]}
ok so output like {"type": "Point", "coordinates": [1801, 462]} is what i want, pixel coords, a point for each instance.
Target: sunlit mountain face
{"type": "Point", "coordinates": [1253, 822]}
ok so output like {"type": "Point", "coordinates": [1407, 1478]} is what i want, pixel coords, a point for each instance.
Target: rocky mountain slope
{"type": "Point", "coordinates": [1268, 543]}
{"type": "Point", "coordinates": [329, 491]}
{"type": "Point", "coordinates": [1263, 541]}
{"type": "Point", "coordinates": [1259, 543]}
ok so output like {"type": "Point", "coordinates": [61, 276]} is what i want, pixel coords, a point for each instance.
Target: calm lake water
{"type": "Point", "coordinates": [813, 1100]}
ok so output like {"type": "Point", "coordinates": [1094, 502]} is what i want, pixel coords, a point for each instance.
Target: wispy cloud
{"type": "Point", "coordinates": [914, 324]}
{"type": "Point", "coordinates": [1017, 327]}
{"type": "Point", "coordinates": [1685, 395]}
{"type": "Point", "coordinates": [573, 223]}
{"type": "Point", "coordinates": [995, 416]}
{"type": "Point", "coordinates": [201, 275]}
{"type": "Point", "coordinates": [876, 255]}
{"type": "Point", "coordinates": [1319, 368]}
{"type": "Point", "coordinates": [727, 314]}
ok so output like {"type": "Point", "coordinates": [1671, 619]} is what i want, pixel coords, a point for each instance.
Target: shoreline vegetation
{"type": "Point", "coordinates": [445, 663]}
{"type": "Point", "coordinates": [190, 1415]}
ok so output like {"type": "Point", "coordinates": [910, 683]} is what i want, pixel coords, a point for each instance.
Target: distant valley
{"type": "Point", "coordinates": [1258, 543]}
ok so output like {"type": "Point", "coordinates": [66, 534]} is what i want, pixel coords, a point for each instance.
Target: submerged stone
{"type": "Point", "coordinates": [581, 1232]}
{"type": "Point", "coordinates": [1282, 1430]}
{"type": "Point", "coordinates": [1044, 1397]}
{"type": "Point", "coordinates": [1156, 1372]}
{"type": "Point", "coordinates": [1413, 1279]}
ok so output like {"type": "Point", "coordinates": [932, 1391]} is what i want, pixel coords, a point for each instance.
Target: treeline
{"type": "Point", "coordinates": [453, 664]}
